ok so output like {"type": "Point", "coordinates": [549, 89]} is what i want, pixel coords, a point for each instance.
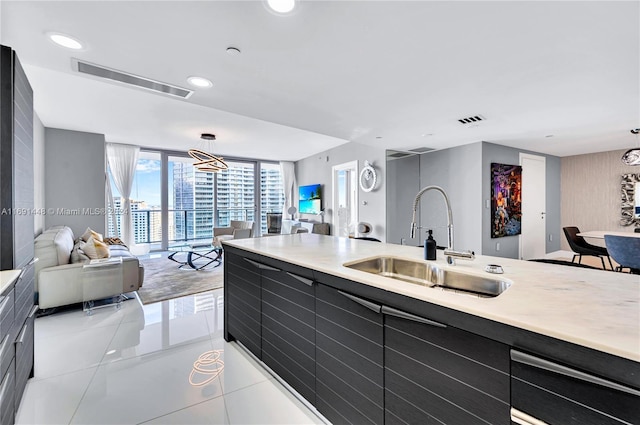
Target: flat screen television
{"type": "Point", "coordinates": [310, 199]}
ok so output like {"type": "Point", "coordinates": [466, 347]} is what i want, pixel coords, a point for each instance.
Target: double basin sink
{"type": "Point", "coordinates": [431, 275]}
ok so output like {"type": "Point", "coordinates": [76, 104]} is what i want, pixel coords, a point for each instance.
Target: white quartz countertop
{"type": "Point", "coordinates": [7, 277]}
{"type": "Point", "coordinates": [593, 308]}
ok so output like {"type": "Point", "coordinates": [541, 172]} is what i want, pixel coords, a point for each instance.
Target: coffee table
{"type": "Point", "coordinates": [198, 256]}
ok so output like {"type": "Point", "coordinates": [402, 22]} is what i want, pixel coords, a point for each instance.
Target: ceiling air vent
{"type": "Point", "coordinates": [470, 120]}
{"type": "Point", "coordinates": [420, 150]}
{"type": "Point", "coordinates": [397, 154]}
{"type": "Point", "coordinates": [130, 79]}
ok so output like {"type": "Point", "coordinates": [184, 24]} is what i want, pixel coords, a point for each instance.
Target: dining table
{"type": "Point", "coordinates": [599, 234]}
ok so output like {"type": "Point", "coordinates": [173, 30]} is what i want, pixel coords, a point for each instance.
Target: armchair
{"type": "Point", "coordinates": [236, 230]}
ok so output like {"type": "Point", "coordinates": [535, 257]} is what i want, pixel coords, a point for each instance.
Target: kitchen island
{"type": "Point", "coordinates": [374, 349]}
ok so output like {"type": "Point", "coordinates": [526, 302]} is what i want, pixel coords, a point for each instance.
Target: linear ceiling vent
{"type": "Point", "coordinates": [469, 120]}
{"type": "Point", "coordinates": [396, 155]}
{"type": "Point", "coordinates": [420, 150]}
{"type": "Point", "coordinates": [130, 79]}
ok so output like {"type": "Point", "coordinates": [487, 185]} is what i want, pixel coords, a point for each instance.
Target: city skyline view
{"type": "Point", "coordinates": [197, 200]}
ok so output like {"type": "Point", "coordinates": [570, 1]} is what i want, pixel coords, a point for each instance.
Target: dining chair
{"type": "Point", "coordinates": [625, 251]}
{"type": "Point", "coordinates": [236, 230]}
{"type": "Point", "coordinates": [581, 247]}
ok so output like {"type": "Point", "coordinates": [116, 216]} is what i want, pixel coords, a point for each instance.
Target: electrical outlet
{"type": "Point", "coordinates": [403, 241]}
{"type": "Point", "coordinates": [497, 246]}
{"type": "Point", "coordinates": [550, 237]}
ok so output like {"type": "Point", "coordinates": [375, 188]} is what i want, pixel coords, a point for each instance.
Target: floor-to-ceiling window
{"type": "Point", "coordinates": [196, 201]}
{"type": "Point", "coordinates": [190, 201]}
{"type": "Point", "coordinates": [236, 190]}
{"type": "Point", "coordinates": [145, 202]}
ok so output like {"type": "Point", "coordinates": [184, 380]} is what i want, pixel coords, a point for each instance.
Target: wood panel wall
{"type": "Point", "coordinates": [590, 192]}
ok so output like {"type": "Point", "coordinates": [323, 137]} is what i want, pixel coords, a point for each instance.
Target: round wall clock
{"type": "Point", "coordinates": [368, 177]}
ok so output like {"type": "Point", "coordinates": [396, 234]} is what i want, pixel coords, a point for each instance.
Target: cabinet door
{"type": "Point", "coordinates": [349, 358]}
{"type": "Point", "coordinates": [559, 395]}
{"type": "Point", "coordinates": [288, 328]}
{"type": "Point", "coordinates": [7, 397]}
{"type": "Point", "coordinates": [242, 305]}
{"type": "Point", "coordinates": [436, 374]}
{"type": "Point", "coordinates": [24, 356]}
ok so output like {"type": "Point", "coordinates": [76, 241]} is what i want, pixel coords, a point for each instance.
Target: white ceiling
{"type": "Point", "coordinates": [389, 74]}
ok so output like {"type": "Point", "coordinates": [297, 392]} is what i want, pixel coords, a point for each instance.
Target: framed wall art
{"type": "Point", "coordinates": [506, 200]}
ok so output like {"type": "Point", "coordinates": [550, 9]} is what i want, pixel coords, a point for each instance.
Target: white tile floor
{"type": "Point", "coordinates": [136, 365]}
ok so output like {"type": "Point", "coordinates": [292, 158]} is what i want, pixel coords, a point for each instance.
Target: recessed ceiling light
{"type": "Point", "coordinates": [233, 51]}
{"type": "Point", "coordinates": [199, 82]}
{"type": "Point", "coordinates": [282, 6]}
{"type": "Point", "coordinates": [65, 41]}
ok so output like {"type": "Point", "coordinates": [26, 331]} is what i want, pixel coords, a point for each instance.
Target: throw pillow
{"type": "Point", "coordinates": [89, 233]}
{"type": "Point", "coordinates": [95, 249]}
{"type": "Point", "coordinates": [77, 255]}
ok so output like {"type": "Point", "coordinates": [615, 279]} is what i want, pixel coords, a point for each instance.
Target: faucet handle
{"type": "Point", "coordinates": [464, 255]}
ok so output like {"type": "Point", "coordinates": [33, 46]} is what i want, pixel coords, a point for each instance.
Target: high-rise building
{"type": "Point", "coordinates": [236, 194]}
{"type": "Point", "coordinates": [140, 216]}
{"type": "Point", "coordinates": [193, 201]}
{"type": "Point", "coordinates": [198, 196]}
{"type": "Point", "coordinates": [140, 221]}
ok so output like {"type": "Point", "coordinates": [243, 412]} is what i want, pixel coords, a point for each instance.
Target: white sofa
{"type": "Point", "coordinates": [59, 279]}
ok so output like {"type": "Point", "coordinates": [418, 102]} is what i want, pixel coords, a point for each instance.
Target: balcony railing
{"type": "Point", "coordinates": [184, 224]}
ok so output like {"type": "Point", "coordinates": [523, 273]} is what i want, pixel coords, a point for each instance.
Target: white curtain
{"type": "Point", "coordinates": [288, 170]}
{"type": "Point", "coordinates": [122, 160]}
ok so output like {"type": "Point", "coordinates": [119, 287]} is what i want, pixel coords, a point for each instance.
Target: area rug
{"type": "Point", "coordinates": [163, 280]}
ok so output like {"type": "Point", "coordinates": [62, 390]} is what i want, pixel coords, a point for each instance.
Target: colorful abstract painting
{"type": "Point", "coordinates": [506, 200]}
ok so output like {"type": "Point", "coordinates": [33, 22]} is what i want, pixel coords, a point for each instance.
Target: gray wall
{"type": "Point", "coordinates": [509, 246]}
{"type": "Point", "coordinates": [457, 171]}
{"type": "Point", "coordinates": [317, 169]}
{"type": "Point", "coordinates": [403, 183]}
{"type": "Point", "coordinates": [75, 180]}
{"type": "Point", "coordinates": [38, 175]}
{"type": "Point", "coordinates": [467, 183]}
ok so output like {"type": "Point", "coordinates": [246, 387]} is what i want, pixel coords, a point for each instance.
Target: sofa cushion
{"type": "Point", "coordinates": [120, 251]}
{"type": "Point", "coordinates": [95, 248]}
{"type": "Point", "coordinates": [53, 247]}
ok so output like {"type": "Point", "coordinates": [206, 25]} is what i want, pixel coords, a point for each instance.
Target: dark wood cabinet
{"type": "Point", "coordinates": [288, 327]}
{"type": "Point", "coordinates": [17, 315]}
{"type": "Point", "coordinates": [362, 355]}
{"type": "Point", "coordinates": [439, 374]}
{"type": "Point", "coordinates": [270, 309]}
{"type": "Point", "coordinates": [16, 232]}
{"type": "Point", "coordinates": [561, 395]}
{"type": "Point", "coordinates": [349, 358]}
{"type": "Point", "coordinates": [242, 303]}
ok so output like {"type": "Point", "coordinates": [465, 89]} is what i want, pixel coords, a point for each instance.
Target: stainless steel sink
{"type": "Point", "coordinates": [430, 275]}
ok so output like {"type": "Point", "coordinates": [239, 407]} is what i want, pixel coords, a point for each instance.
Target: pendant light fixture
{"type": "Point", "coordinates": [204, 160]}
{"type": "Point", "coordinates": [632, 156]}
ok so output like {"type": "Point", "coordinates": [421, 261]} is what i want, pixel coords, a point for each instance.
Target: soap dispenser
{"type": "Point", "coordinates": [430, 247]}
